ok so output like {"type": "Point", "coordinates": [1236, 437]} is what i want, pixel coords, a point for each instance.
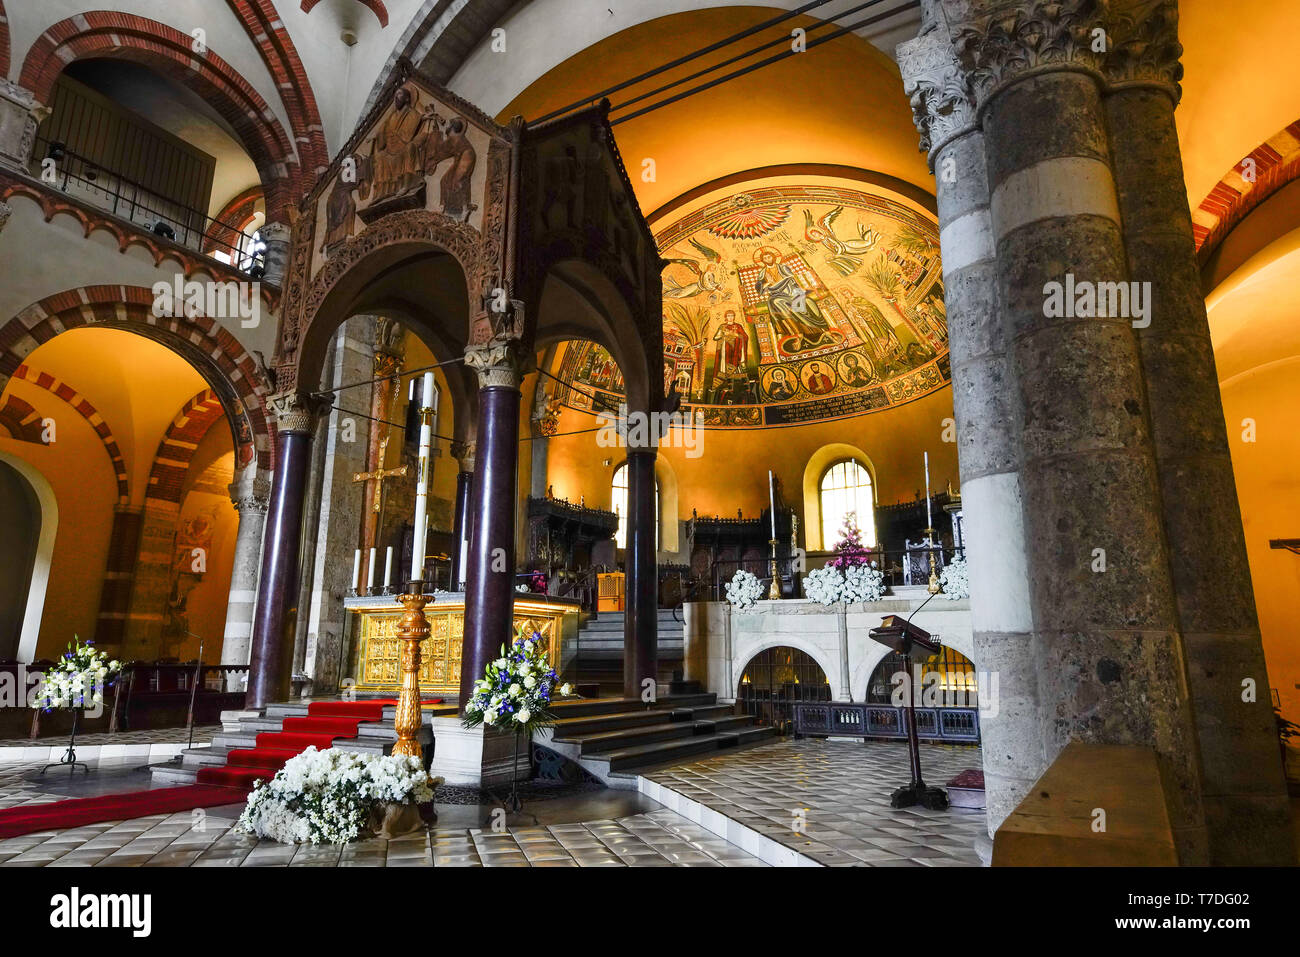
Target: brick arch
{"type": "Point", "coordinates": [102, 33]}
{"type": "Point", "coordinates": [1276, 163]}
{"type": "Point", "coordinates": [218, 356]}
{"type": "Point", "coordinates": [268, 33]}
{"type": "Point", "coordinates": [82, 406]}
{"type": "Point", "coordinates": [21, 420]}
{"type": "Point", "coordinates": [171, 463]}
{"type": "Point", "coordinates": [232, 219]}
{"type": "Point", "coordinates": [374, 6]}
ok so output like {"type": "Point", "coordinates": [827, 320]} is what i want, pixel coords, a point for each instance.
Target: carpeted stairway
{"type": "Point", "coordinates": [229, 783]}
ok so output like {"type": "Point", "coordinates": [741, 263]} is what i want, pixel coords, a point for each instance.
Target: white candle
{"type": "Point", "coordinates": [929, 523]}
{"type": "Point", "coordinates": [356, 569]}
{"type": "Point", "coordinates": [388, 567]}
{"type": "Point", "coordinates": [771, 492]}
{"type": "Point", "coordinates": [370, 572]}
{"type": "Point", "coordinates": [428, 411]}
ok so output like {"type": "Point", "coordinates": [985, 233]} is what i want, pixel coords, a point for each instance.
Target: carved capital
{"type": "Point", "coordinates": [294, 412]}
{"type": "Point", "coordinates": [498, 362]}
{"type": "Point", "coordinates": [1030, 37]}
{"type": "Point", "coordinates": [943, 106]}
{"type": "Point", "coordinates": [1144, 48]}
{"type": "Point", "coordinates": [463, 452]}
{"type": "Point", "coordinates": [251, 496]}
{"type": "Point", "coordinates": [5, 212]}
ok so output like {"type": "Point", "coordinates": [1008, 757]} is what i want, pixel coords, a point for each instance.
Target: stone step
{"type": "Point", "coordinates": [661, 752]}
{"type": "Point", "coordinates": [583, 707]}
{"type": "Point", "coordinates": [574, 728]}
{"type": "Point", "coordinates": [637, 735]}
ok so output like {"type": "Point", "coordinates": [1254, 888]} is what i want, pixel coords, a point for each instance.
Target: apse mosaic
{"type": "Point", "coordinates": [790, 304]}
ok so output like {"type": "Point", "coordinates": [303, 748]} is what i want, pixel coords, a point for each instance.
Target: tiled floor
{"type": "Point", "coordinates": [202, 733]}
{"type": "Point", "coordinates": [657, 838]}
{"type": "Point", "coordinates": [829, 800]}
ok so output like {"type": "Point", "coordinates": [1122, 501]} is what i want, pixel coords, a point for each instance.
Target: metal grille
{"type": "Point", "coordinates": [774, 680]}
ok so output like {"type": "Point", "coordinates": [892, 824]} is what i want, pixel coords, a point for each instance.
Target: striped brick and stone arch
{"type": "Point", "coordinates": [232, 221]}
{"type": "Point", "coordinates": [83, 407]}
{"type": "Point", "coordinates": [102, 33]}
{"type": "Point", "coordinates": [21, 420]}
{"type": "Point", "coordinates": [172, 461]}
{"type": "Point", "coordinates": [4, 41]}
{"type": "Point", "coordinates": [1272, 165]}
{"type": "Point", "coordinates": [237, 377]}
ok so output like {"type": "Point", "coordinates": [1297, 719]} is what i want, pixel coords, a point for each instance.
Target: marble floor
{"type": "Point", "coordinates": [202, 733]}
{"type": "Point", "coordinates": [829, 800]}
{"type": "Point", "coordinates": [604, 829]}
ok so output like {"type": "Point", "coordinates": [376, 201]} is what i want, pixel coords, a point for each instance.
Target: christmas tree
{"type": "Point", "coordinates": [849, 550]}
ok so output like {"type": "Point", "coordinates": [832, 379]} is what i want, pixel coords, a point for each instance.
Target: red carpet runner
{"type": "Point", "coordinates": [230, 784]}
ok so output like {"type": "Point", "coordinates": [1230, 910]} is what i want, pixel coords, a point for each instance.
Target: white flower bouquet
{"type": "Point", "coordinates": [744, 589]}
{"type": "Point", "coordinates": [331, 796]}
{"type": "Point", "coordinates": [955, 580]}
{"type": "Point", "coordinates": [823, 585]}
{"type": "Point", "coordinates": [854, 583]}
{"type": "Point", "coordinates": [78, 679]}
{"type": "Point", "coordinates": [516, 689]}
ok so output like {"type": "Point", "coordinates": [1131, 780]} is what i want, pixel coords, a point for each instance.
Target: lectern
{"type": "Point", "coordinates": [902, 636]}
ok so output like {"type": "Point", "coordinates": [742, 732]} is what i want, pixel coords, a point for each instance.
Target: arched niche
{"type": "Point", "coordinates": [26, 480]}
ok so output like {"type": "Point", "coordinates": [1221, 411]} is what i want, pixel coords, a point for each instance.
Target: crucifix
{"type": "Point", "coordinates": [377, 476]}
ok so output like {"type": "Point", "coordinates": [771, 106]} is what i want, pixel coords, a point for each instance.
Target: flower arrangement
{"type": "Point", "coordinates": [330, 796]}
{"type": "Point", "coordinates": [955, 580]}
{"type": "Point", "coordinates": [744, 589]}
{"type": "Point", "coordinates": [78, 679]}
{"type": "Point", "coordinates": [515, 691]}
{"type": "Point", "coordinates": [537, 582]}
{"type": "Point", "coordinates": [855, 583]}
{"type": "Point", "coordinates": [849, 550]}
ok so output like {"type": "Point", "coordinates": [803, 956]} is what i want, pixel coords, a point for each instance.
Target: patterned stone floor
{"type": "Point", "coordinates": [829, 800]}
{"type": "Point", "coordinates": [653, 838]}
{"type": "Point", "coordinates": [202, 733]}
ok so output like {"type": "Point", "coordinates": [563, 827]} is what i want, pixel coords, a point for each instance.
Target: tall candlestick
{"type": "Point", "coordinates": [771, 493]}
{"type": "Point", "coordinates": [388, 567]}
{"type": "Point", "coordinates": [356, 570]}
{"type": "Point", "coordinates": [428, 409]}
{"type": "Point", "coordinates": [370, 572]}
{"type": "Point", "coordinates": [929, 523]}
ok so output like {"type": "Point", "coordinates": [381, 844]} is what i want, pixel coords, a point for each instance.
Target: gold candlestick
{"type": "Point", "coordinates": [774, 591]}
{"type": "Point", "coordinates": [933, 587]}
{"type": "Point", "coordinates": [412, 629]}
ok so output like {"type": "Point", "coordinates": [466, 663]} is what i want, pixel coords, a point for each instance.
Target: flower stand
{"type": "Point", "coordinates": [69, 759]}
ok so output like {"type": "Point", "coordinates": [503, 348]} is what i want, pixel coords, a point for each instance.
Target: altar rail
{"type": "Point", "coordinates": [834, 718]}
{"type": "Point", "coordinates": [892, 563]}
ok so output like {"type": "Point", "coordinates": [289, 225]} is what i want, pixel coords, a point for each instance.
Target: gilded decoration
{"type": "Point", "coordinates": [789, 304]}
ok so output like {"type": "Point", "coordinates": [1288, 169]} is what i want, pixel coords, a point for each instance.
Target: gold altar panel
{"type": "Point", "coordinates": [378, 655]}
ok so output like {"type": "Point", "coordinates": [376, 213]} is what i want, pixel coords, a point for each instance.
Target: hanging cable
{"type": "Point", "coordinates": [397, 375]}
{"type": "Point", "coordinates": [596, 97]}
{"type": "Point", "coordinates": [700, 88]}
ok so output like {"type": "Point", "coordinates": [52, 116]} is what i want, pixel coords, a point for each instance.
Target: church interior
{"type": "Point", "coordinates": [871, 409]}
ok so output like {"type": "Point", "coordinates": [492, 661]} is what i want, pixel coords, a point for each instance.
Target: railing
{"type": "Point", "coordinates": [891, 562]}
{"type": "Point", "coordinates": [126, 199]}
{"type": "Point", "coordinates": [861, 720]}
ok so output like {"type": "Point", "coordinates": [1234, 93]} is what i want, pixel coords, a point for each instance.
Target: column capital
{"type": "Point", "coordinates": [937, 88]}
{"type": "Point", "coordinates": [1144, 50]}
{"type": "Point", "coordinates": [20, 114]}
{"type": "Point", "coordinates": [463, 452]}
{"type": "Point", "coordinates": [254, 495]}
{"type": "Point", "coordinates": [498, 362]}
{"type": "Point", "coordinates": [277, 237]}
{"type": "Point", "coordinates": [294, 411]}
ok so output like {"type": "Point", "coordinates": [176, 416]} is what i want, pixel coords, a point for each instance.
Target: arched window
{"type": "Point", "coordinates": [619, 505]}
{"type": "Point", "coordinates": [846, 487]}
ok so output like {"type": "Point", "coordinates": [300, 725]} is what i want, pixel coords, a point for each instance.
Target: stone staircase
{"type": "Point", "coordinates": [598, 659]}
{"type": "Point", "coordinates": [614, 739]}
{"type": "Point", "coordinates": [374, 737]}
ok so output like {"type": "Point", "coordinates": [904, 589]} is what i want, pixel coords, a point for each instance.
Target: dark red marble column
{"type": "Point", "coordinates": [271, 658]}
{"type": "Point", "coordinates": [641, 622]}
{"type": "Point", "coordinates": [489, 593]}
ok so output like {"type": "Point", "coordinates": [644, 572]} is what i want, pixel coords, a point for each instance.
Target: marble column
{"type": "Point", "coordinates": [988, 433]}
{"type": "Point", "coordinates": [1111, 665]}
{"type": "Point", "coordinates": [271, 659]}
{"type": "Point", "coordinates": [1246, 803]}
{"type": "Point", "coordinates": [249, 494]}
{"type": "Point", "coordinates": [641, 619]}
{"type": "Point", "coordinates": [489, 592]}
{"type": "Point", "coordinates": [464, 452]}
{"type": "Point", "coordinates": [277, 237]}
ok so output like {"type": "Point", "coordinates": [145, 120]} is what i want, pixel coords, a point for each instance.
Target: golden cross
{"type": "Point", "coordinates": [378, 476]}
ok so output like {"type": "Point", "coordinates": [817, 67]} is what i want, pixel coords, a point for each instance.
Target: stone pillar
{"type": "Point", "coordinates": [489, 592]}
{"type": "Point", "coordinates": [1246, 804]}
{"type": "Point", "coordinates": [1111, 667]}
{"type": "Point", "coordinates": [19, 117]}
{"type": "Point", "coordinates": [277, 237]}
{"type": "Point", "coordinates": [271, 658]}
{"type": "Point", "coordinates": [460, 519]}
{"type": "Point", "coordinates": [988, 435]}
{"type": "Point", "coordinates": [641, 620]}
{"type": "Point", "coordinates": [249, 494]}
{"type": "Point", "coordinates": [119, 576]}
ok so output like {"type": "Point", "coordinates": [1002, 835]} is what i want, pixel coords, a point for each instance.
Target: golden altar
{"type": "Point", "coordinates": [376, 655]}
